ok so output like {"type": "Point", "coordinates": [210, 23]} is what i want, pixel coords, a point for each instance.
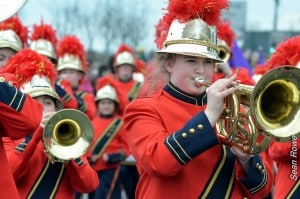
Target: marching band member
{"type": "Point", "coordinates": [35, 174]}
{"type": "Point", "coordinates": [285, 154]}
{"type": "Point", "coordinates": [109, 146]}
{"type": "Point", "coordinates": [43, 41]}
{"type": "Point", "coordinates": [20, 115]}
{"type": "Point", "coordinates": [13, 37]}
{"type": "Point", "coordinates": [71, 66]}
{"type": "Point", "coordinates": [125, 65]}
{"type": "Point", "coordinates": [171, 132]}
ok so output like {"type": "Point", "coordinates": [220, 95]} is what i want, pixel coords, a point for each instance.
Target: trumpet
{"type": "Point", "coordinates": [67, 135]}
{"type": "Point", "coordinates": [271, 111]}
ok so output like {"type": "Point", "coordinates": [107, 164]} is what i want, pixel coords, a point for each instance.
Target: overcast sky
{"type": "Point", "coordinates": [259, 15]}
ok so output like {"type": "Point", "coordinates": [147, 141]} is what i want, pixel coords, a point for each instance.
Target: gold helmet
{"type": "Point", "coordinates": [35, 74]}
{"type": "Point", "coordinates": [9, 39]}
{"type": "Point", "coordinates": [44, 40]}
{"type": "Point", "coordinates": [124, 55]}
{"type": "Point", "coordinates": [107, 92]}
{"type": "Point", "coordinates": [71, 54]}
{"type": "Point", "coordinates": [44, 47]}
{"type": "Point", "coordinates": [13, 34]}
{"type": "Point", "coordinates": [188, 28]}
{"type": "Point", "coordinates": [106, 89]}
{"type": "Point", "coordinates": [38, 86]}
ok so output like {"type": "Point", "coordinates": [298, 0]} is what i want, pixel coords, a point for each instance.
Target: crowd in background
{"type": "Point", "coordinates": [138, 126]}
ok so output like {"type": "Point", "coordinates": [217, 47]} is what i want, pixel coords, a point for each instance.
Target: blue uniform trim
{"type": "Point", "coordinates": [47, 183]}
{"type": "Point", "coordinates": [195, 137]}
{"type": "Point", "coordinates": [114, 158]}
{"type": "Point", "coordinates": [78, 161]}
{"type": "Point", "coordinates": [256, 178]}
{"type": "Point", "coordinates": [134, 91]}
{"type": "Point", "coordinates": [222, 179]}
{"type": "Point", "coordinates": [12, 97]}
{"type": "Point", "coordinates": [80, 101]}
{"type": "Point", "coordinates": [106, 137]}
{"type": "Point", "coordinates": [21, 147]}
{"type": "Point", "coordinates": [177, 93]}
{"type": "Point", "coordinates": [62, 93]}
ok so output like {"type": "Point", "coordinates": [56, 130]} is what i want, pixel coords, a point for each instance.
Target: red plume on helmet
{"type": "Point", "coordinates": [70, 44]}
{"type": "Point", "coordinates": [185, 10]}
{"type": "Point", "coordinates": [124, 55]}
{"type": "Point", "coordinates": [104, 81]}
{"type": "Point", "coordinates": [243, 75]}
{"type": "Point", "coordinates": [161, 30]}
{"type": "Point", "coordinates": [44, 40]}
{"type": "Point", "coordinates": [286, 53]}
{"type": "Point", "coordinates": [123, 48]}
{"type": "Point", "coordinates": [44, 31]}
{"type": "Point", "coordinates": [14, 24]}
{"type": "Point", "coordinates": [225, 33]}
{"type": "Point", "coordinates": [208, 10]}
{"type": "Point", "coordinates": [27, 63]}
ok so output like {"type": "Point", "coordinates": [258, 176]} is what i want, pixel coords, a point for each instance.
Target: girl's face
{"type": "Point", "coordinates": [74, 76]}
{"type": "Point", "coordinates": [5, 54]}
{"type": "Point", "coordinates": [47, 102]}
{"type": "Point", "coordinates": [185, 69]}
{"type": "Point", "coordinates": [106, 107]}
{"type": "Point", "coordinates": [125, 72]}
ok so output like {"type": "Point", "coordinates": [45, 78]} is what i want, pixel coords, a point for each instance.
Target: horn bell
{"type": "Point", "coordinates": [67, 135]}
{"type": "Point", "coordinates": [9, 8]}
{"type": "Point", "coordinates": [275, 102]}
{"type": "Point", "coordinates": [271, 112]}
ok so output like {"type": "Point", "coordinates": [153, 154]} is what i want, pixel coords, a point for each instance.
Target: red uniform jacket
{"type": "Point", "coordinates": [36, 176]}
{"type": "Point", "coordinates": [287, 158]}
{"type": "Point", "coordinates": [178, 154]}
{"type": "Point", "coordinates": [128, 90]}
{"type": "Point", "coordinates": [19, 116]}
{"type": "Point", "coordinates": [64, 90]}
{"type": "Point", "coordinates": [86, 103]}
{"type": "Point", "coordinates": [117, 147]}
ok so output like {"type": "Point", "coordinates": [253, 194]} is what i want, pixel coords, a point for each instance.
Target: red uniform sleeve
{"type": "Point", "coordinates": [89, 100]}
{"type": "Point", "coordinates": [83, 177]}
{"type": "Point", "coordinates": [19, 157]}
{"type": "Point", "coordinates": [65, 92]}
{"type": "Point", "coordinates": [20, 115]}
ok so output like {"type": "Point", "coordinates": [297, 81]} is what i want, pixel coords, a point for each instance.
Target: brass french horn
{"type": "Point", "coordinates": [67, 135]}
{"type": "Point", "coordinates": [271, 112]}
{"type": "Point", "coordinates": [224, 50]}
{"type": "Point", "coordinates": [8, 8]}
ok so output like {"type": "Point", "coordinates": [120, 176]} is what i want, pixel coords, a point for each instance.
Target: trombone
{"type": "Point", "coordinates": [67, 135]}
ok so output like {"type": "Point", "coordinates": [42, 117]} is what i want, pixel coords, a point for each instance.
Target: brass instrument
{"type": "Point", "coordinates": [224, 52]}
{"type": "Point", "coordinates": [8, 8]}
{"type": "Point", "coordinates": [271, 112]}
{"type": "Point", "coordinates": [67, 135]}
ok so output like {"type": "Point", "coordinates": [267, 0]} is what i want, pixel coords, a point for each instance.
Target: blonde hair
{"type": "Point", "coordinates": [156, 76]}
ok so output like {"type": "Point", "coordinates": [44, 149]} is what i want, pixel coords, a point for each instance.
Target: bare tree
{"type": "Point", "coordinates": [104, 22]}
